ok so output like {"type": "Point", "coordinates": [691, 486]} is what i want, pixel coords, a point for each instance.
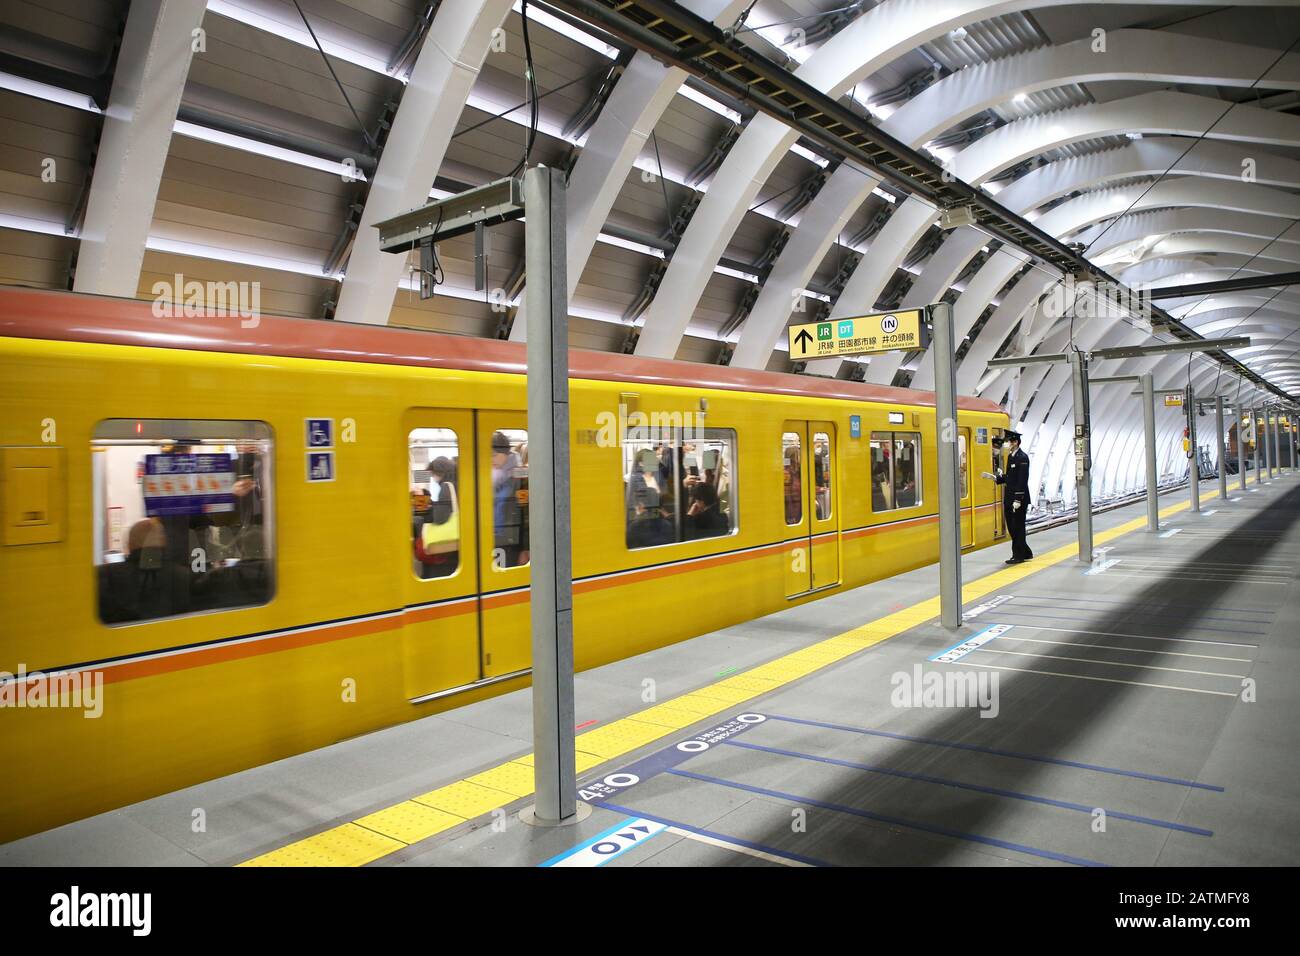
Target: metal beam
{"type": "Point", "coordinates": [1149, 434]}
{"type": "Point", "coordinates": [549, 517]}
{"type": "Point", "coordinates": [1221, 448]}
{"type": "Point", "coordinates": [1227, 285]}
{"type": "Point", "coordinates": [490, 205]}
{"type": "Point", "coordinates": [1126, 351]}
{"type": "Point", "coordinates": [945, 407]}
{"type": "Point", "coordinates": [1082, 453]}
{"type": "Point", "coordinates": [679, 37]}
{"type": "Point", "coordinates": [1193, 452]}
{"type": "Point", "coordinates": [1241, 449]}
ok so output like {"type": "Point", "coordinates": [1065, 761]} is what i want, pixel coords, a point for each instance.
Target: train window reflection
{"type": "Point", "coordinates": [895, 470]}
{"type": "Point", "coordinates": [822, 473]}
{"type": "Point", "coordinates": [509, 498]}
{"type": "Point", "coordinates": [182, 517]}
{"type": "Point", "coordinates": [679, 484]}
{"type": "Point", "coordinates": [433, 464]}
{"type": "Point", "coordinates": [792, 456]}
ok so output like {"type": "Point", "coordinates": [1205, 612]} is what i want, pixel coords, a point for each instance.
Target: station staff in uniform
{"type": "Point", "coordinates": [1015, 502]}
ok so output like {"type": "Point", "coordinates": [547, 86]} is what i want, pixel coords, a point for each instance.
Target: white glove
{"type": "Point", "coordinates": [1015, 506]}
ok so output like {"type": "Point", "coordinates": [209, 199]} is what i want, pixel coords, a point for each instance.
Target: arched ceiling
{"type": "Point", "coordinates": [229, 139]}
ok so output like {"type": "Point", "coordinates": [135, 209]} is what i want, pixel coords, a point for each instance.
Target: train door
{"type": "Point", "coordinates": [503, 555]}
{"type": "Point", "coordinates": [810, 508]}
{"type": "Point", "coordinates": [999, 465]}
{"type": "Point", "coordinates": [440, 635]}
{"type": "Point", "coordinates": [964, 487]}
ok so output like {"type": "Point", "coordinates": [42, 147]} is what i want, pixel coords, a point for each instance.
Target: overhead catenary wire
{"type": "Point", "coordinates": [1197, 141]}
{"type": "Point", "coordinates": [371, 143]}
{"type": "Point", "coordinates": [530, 84]}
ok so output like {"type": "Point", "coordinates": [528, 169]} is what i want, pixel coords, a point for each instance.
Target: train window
{"type": "Point", "coordinates": [509, 498]}
{"type": "Point", "coordinates": [433, 465]}
{"type": "Point", "coordinates": [182, 517]}
{"type": "Point", "coordinates": [907, 470]}
{"type": "Point", "coordinates": [895, 470]}
{"type": "Point", "coordinates": [679, 484]}
{"type": "Point", "coordinates": [822, 473]}
{"type": "Point", "coordinates": [963, 475]}
{"type": "Point", "coordinates": [792, 456]}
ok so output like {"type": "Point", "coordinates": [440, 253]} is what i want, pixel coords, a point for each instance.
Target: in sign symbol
{"type": "Point", "coordinates": [889, 324]}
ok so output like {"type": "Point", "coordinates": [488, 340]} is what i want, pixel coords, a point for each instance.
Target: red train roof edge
{"type": "Point", "coordinates": [75, 317]}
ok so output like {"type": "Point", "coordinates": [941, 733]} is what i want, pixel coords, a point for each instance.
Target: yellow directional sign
{"type": "Point", "coordinates": [882, 332]}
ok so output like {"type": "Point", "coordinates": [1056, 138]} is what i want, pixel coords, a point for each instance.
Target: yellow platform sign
{"type": "Point", "coordinates": [859, 335]}
{"type": "Point", "coordinates": [1173, 401]}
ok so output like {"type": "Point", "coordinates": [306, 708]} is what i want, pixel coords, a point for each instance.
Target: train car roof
{"type": "Point", "coordinates": [74, 317]}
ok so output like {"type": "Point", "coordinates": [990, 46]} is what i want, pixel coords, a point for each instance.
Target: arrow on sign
{"type": "Point", "coordinates": [803, 339]}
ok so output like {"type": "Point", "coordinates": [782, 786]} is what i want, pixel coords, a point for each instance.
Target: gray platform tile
{"type": "Point", "coordinates": [110, 839]}
{"type": "Point", "coordinates": [519, 844]}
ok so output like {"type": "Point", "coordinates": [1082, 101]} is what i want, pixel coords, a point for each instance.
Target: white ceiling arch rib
{"type": "Point", "coordinates": [636, 104]}
{"type": "Point", "coordinates": [450, 58]}
{"type": "Point", "coordinates": [877, 37]}
{"type": "Point", "coordinates": [1031, 136]}
{"type": "Point", "coordinates": [1130, 54]}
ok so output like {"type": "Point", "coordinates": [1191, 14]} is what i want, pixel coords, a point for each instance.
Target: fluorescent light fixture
{"type": "Point", "coordinates": [297, 34]}
{"type": "Point", "coordinates": [809, 155]}
{"type": "Point", "coordinates": [708, 102]}
{"type": "Point", "coordinates": [183, 248]}
{"type": "Point", "coordinates": [43, 226]}
{"type": "Point", "coordinates": [222, 138]}
{"type": "Point", "coordinates": [736, 273]}
{"type": "Point", "coordinates": [412, 284]}
{"type": "Point", "coordinates": [629, 244]}
{"type": "Point", "coordinates": [201, 251]}
{"type": "Point", "coordinates": [1021, 98]}
{"type": "Point", "coordinates": [552, 22]}
{"type": "Point", "coordinates": [44, 91]}
{"type": "Point", "coordinates": [887, 197]}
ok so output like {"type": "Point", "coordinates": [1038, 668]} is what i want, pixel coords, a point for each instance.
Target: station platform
{"type": "Point", "coordinates": [1140, 711]}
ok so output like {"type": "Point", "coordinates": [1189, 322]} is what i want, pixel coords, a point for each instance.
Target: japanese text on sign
{"type": "Point", "coordinates": [881, 332]}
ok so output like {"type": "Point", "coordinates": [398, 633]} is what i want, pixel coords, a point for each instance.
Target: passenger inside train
{"type": "Point", "coordinates": [677, 489]}
{"type": "Point", "coordinates": [435, 508]}
{"type": "Point", "coordinates": [181, 523]}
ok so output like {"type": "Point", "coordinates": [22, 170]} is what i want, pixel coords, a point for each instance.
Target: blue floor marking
{"type": "Point", "coordinates": [739, 841]}
{"type": "Point", "coordinates": [994, 791]}
{"type": "Point", "coordinates": [885, 818]}
{"type": "Point", "coordinates": [594, 840]}
{"type": "Point", "coordinates": [1001, 753]}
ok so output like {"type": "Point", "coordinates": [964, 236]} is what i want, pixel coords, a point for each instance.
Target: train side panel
{"type": "Point", "coordinates": [324, 659]}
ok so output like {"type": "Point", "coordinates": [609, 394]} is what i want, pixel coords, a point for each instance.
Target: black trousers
{"type": "Point", "coordinates": [1016, 525]}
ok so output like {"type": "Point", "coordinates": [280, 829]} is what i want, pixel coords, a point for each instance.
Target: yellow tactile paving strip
{"type": "Point", "coordinates": [386, 831]}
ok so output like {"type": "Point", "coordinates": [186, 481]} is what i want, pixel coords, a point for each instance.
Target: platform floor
{"type": "Point", "coordinates": [1145, 711]}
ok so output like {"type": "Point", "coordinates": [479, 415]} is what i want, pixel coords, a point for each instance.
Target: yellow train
{"type": "Point", "coordinates": [223, 545]}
